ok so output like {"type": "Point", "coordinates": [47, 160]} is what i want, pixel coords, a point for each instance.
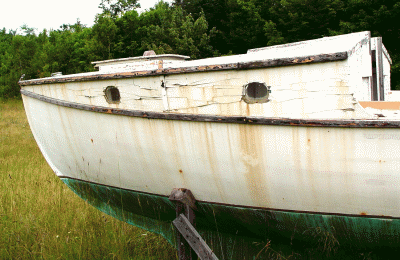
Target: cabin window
{"type": "Point", "coordinates": [112, 95]}
{"type": "Point", "coordinates": [256, 92]}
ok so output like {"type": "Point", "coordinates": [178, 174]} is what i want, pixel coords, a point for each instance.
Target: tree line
{"type": "Point", "coordinates": [197, 28]}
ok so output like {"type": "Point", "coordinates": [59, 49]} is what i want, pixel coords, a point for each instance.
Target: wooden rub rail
{"type": "Point", "coordinates": [203, 68]}
{"type": "Point", "coordinates": [220, 119]}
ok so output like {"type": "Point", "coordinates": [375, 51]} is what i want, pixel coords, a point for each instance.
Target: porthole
{"type": "Point", "coordinates": [112, 95]}
{"type": "Point", "coordinates": [256, 92]}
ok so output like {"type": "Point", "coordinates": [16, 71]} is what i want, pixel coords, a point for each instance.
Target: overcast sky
{"type": "Point", "coordinates": [51, 14]}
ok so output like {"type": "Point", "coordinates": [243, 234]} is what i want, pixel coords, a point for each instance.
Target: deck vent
{"type": "Point", "coordinates": [149, 53]}
{"type": "Point", "coordinates": [56, 74]}
{"type": "Point", "coordinates": [256, 92]}
{"type": "Point", "coordinates": [112, 95]}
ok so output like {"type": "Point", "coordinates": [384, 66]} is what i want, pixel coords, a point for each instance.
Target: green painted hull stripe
{"type": "Point", "coordinates": [216, 222]}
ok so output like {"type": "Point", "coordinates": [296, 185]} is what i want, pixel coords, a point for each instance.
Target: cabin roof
{"type": "Point", "coordinates": [330, 44]}
{"type": "Point", "coordinates": [327, 45]}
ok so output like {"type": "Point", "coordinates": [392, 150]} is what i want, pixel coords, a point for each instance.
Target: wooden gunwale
{"type": "Point", "coordinates": [347, 123]}
{"type": "Point", "coordinates": [203, 68]}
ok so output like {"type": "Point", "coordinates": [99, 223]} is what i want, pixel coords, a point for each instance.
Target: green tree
{"type": "Point", "coordinates": [70, 50]}
{"type": "Point", "coordinates": [299, 20]}
{"type": "Point", "coordinates": [128, 40]}
{"type": "Point", "coordinates": [104, 32]}
{"type": "Point", "coordinates": [272, 35]}
{"type": "Point", "coordinates": [18, 57]}
{"type": "Point", "coordinates": [379, 17]}
{"type": "Point", "coordinates": [246, 26]}
{"type": "Point", "coordinates": [168, 30]}
{"type": "Point", "coordinates": [7, 88]}
{"type": "Point", "coordinates": [237, 25]}
{"type": "Point", "coordinates": [118, 7]}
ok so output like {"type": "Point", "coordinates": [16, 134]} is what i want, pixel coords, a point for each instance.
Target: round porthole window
{"type": "Point", "coordinates": [112, 95]}
{"type": "Point", "coordinates": [256, 92]}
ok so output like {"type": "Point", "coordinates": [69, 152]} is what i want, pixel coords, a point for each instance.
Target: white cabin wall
{"type": "Point", "coordinates": [360, 69]}
{"type": "Point", "coordinates": [386, 73]}
{"type": "Point", "coordinates": [142, 93]}
{"type": "Point", "coordinates": [318, 90]}
{"type": "Point", "coordinates": [393, 95]}
{"type": "Point", "coordinates": [385, 70]}
{"type": "Point", "coordinates": [302, 91]}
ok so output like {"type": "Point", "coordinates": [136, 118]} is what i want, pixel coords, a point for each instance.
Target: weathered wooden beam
{"type": "Point", "coordinates": [193, 238]}
{"type": "Point", "coordinates": [203, 68]}
{"type": "Point", "coordinates": [379, 68]}
{"type": "Point", "coordinates": [348, 123]}
{"type": "Point", "coordinates": [185, 203]}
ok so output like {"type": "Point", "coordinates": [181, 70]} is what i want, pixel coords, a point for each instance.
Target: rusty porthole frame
{"type": "Point", "coordinates": [112, 95]}
{"type": "Point", "coordinates": [256, 92]}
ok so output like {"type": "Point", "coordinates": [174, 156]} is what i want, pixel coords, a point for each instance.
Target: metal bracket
{"type": "Point", "coordinates": [164, 93]}
{"type": "Point", "coordinates": [183, 196]}
{"type": "Point", "coordinates": [189, 240]}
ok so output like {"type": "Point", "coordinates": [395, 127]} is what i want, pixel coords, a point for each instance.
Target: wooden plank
{"type": "Point", "coordinates": [220, 119]}
{"type": "Point", "coordinates": [203, 68]}
{"type": "Point", "coordinates": [379, 68]}
{"type": "Point", "coordinates": [193, 238]}
{"type": "Point", "coordinates": [374, 83]}
{"type": "Point", "coordinates": [387, 105]}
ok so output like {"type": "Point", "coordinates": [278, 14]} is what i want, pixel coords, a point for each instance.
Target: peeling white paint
{"type": "Point", "coordinates": [322, 169]}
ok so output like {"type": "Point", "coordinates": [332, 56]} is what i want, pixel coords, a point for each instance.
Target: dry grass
{"type": "Point", "coordinates": [41, 218]}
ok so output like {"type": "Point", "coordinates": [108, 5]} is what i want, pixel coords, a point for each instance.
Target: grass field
{"type": "Point", "coordinates": [40, 218]}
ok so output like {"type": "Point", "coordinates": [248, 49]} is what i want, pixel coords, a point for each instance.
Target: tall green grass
{"type": "Point", "coordinates": [40, 218]}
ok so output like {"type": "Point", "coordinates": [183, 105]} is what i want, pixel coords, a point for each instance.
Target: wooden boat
{"type": "Point", "coordinates": [274, 141]}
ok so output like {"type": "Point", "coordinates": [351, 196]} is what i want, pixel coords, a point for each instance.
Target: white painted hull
{"type": "Point", "coordinates": [268, 142]}
{"type": "Point", "coordinates": [314, 169]}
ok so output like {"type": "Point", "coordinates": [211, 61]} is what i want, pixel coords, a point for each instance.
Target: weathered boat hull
{"type": "Point", "coordinates": [269, 142]}
{"type": "Point", "coordinates": [291, 177]}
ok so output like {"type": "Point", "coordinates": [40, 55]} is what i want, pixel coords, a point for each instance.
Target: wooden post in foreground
{"type": "Point", "coordinates": [189, 240]}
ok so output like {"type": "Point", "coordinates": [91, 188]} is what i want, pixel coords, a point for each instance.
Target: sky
{"type": "Point", "coordinates": [51, 14]}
